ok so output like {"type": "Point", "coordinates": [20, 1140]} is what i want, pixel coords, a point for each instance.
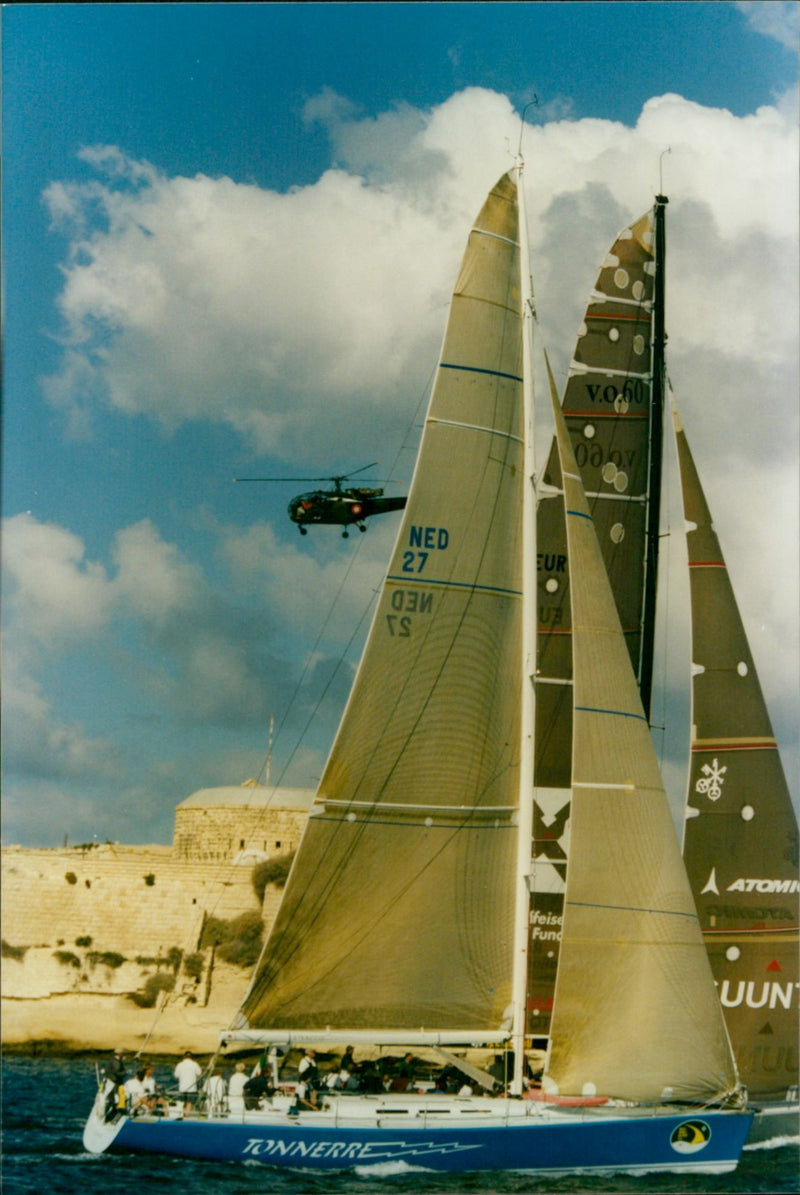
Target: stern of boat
{"type": "Point", "coordinates": [98, 1132]}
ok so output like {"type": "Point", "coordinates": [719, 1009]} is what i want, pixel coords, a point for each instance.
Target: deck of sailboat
{"type": "Point", "coordinates": [359, 1109]}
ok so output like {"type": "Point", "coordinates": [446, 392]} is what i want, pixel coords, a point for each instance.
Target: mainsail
{"type": "Point", "coordinates": [653, 1027]}
{"type": "Point", "coordinates": [398, 912]}
{"type": "Point", "coordinates": [608, 408]}
{"type": "Point", "coordinates": [741, 842]}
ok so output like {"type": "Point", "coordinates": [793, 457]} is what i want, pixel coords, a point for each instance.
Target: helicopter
{"type": "Point", "coordinates": [341, 507]}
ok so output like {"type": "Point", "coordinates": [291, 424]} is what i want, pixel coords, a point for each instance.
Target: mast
{"type": "Point", "coordinates": [527, 710]}
{"type": "Point", "coordinates": [655, 466]}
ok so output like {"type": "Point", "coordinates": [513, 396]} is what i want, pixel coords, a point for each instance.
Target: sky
{"type": "Point", "coordinates": [230, 233]}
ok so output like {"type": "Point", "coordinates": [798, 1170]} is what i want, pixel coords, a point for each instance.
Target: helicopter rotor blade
{"type": "Point", "coordinates": [336, 478]}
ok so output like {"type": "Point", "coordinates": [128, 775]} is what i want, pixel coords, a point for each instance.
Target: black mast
{"type": "Point", "coordinates": [654, 469]}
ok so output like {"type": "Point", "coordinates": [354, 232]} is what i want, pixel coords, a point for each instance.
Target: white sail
{"type": "Point", "coordinates": [636, 1014]}
{"type": "Point", "coordinates": [399, 910]}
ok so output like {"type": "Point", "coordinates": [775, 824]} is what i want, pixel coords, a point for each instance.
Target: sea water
{"type": "Point", "coordinates": [45, 1102]}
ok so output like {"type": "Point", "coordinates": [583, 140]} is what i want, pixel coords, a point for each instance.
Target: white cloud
{"type": "Point", "coordinates": [191, 647]}
{"type": "Point", "coordinates": [37, 742]}
{"type": "Point", "coordinates": [60, 595]}
{"type": "Point", "coordinates": [153, 578]}
{"type": "Point", "coordinates": [312, 318]}
{"type": "Point", "coordinates": [305, 318]}
{"type": "Point", "coordinates": [777, 19]}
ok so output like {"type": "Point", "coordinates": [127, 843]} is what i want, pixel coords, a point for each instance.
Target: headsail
{"type": "Point", "coordinates": [653, 1027]}
{"type": "Point", "coordinates": [608, 409]}
{"type": "Point", "coordinates": [399, 909]}
{"type": "Point", "coordinates": [741, 842]}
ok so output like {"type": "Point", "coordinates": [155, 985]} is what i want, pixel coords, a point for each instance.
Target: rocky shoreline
{"type": "Point", "coordinates": [86, 1023]}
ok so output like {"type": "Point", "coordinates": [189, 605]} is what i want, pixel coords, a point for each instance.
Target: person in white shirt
{"type": "Point", "coordinates": [136, 1094]}
{"type": "Point", "coordinates": [236, 1089]}
{"type": "Point", "coordinates": [307, 1071]}
{"type": "Point", "coordinates": [187, 1072]}
{"type": "Point", "coordinates": [215, 1088]}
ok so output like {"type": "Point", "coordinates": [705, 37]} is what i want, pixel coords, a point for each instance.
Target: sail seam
{"type": "Point", "coordinates": [587, 904]}
{"type": "Point", "coordinates": [605, 414]}
{"type": "Point", "coordinates": [618, 315]}
{"type": "Point", "coordinates": [456, 585]}
{"type": "Point", "coordinates": [495, 373]}
{"type": "Point", "coordinates": [592, 709]}
{"type": "Point", "coordinates": [712, 745]}
{"type": "Point", "coordinates": [624, 787]}
{"type": "Point", "coordinates": [768, 930]}
{"type": "Point", "coordinates": [476, 427]}
{"type": "Point", "coordinates": [402, 805]}
{"type": "Point", "coordinates": [410, 823]}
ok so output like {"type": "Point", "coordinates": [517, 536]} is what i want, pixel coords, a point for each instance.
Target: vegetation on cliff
{"type": "Point", "coordinates": [237, 941]}
{"type": "Point", "coordinates": [271, 871]}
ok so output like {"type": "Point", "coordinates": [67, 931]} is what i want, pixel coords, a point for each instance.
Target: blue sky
{"type": "Point", "coordinates": [229, 236]}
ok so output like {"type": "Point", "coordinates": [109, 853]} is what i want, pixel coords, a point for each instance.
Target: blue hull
{"type": "Point", "coordinates": [706, 1141]}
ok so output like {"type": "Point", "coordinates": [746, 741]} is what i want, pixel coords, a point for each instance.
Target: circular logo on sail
{"type": "Point", "coordinates": [690, 1137]}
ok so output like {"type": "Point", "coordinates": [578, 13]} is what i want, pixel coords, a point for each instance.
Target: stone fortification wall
{"type": "Point", "coordinates": [138, 902]}
{"type": "Point", "coordinates": [218, 833]}
{"type": "Point", "coordinates": [83, 928]}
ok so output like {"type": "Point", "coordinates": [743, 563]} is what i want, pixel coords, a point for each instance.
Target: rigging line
{"type": "Point", "coordinates": [398, 697]}
{"type": "Point", "coordinates": [212, 908]}
{"type": "Point", "coordinates": [309, 720]}
{"type": "Point", "coordinates": [311, 654]}
{"type": "Point", "coordinates": [356, 838]}
{"type": "Point", "coordinates": [393, 898]}
{"type": "Point", "coordinates": [503, 461]}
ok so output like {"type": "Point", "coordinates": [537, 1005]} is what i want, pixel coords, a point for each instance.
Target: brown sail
{"type": "Point", "coordinates": [741, 841]}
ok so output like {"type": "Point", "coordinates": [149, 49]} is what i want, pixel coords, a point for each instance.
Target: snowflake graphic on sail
{"type": "Point", "coordinates": [711, 783]}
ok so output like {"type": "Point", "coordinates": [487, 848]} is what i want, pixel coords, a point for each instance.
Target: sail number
{"type": "Point", "coordinates": [633, 390]}
{"type": "Point", "coordinates": [595, 455]}
{"type": "Point", "coordinates": [407, 602]}
{"type": "Point", "coordinates": [425, 540]}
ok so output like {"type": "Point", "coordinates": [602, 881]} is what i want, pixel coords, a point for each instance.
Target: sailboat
{"type": "Point", "coordinates": [740, 839]}
{"type": "Point", "coordinates": [741, 835]}
{"type": "Point", "coordinates": [406, 920]}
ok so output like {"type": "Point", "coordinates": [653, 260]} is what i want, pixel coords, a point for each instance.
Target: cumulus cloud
{"type": "Point", "coordinates": [292, 317]}
{"type": "Point", "coordinates": [38, 743]}
{"type": "Point", "coordinates": [58, 595]}
{"type": "Point", "coordinates": [205, 650]}
{"type": "Point", "coordinates": [773, 18]}
{"type": "Point", "coordinates": [313, 317]}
